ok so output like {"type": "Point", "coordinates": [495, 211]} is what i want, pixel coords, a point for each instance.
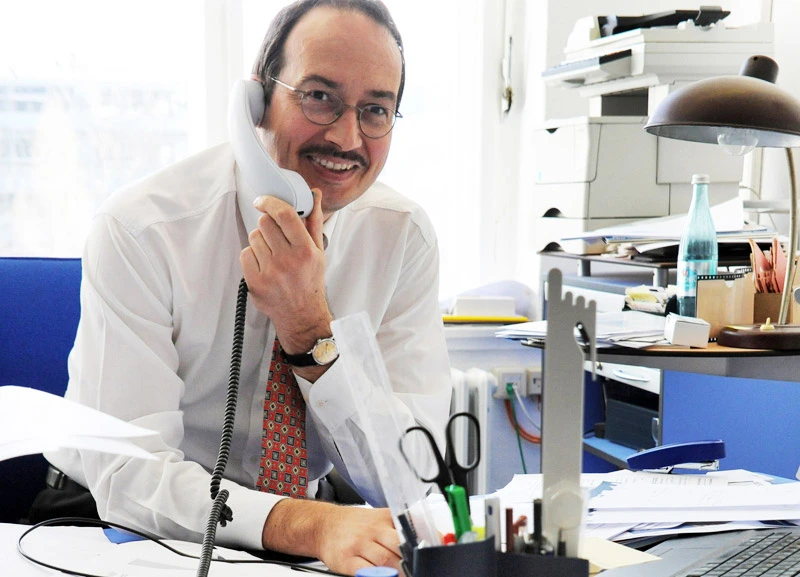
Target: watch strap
{"type": "Point", "coordinates": [300, 360]}
{"type": "Point", "coordinates": [323, 353]}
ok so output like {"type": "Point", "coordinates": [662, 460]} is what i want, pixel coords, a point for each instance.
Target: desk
{"type": "Point", "coordinates": [714, 360]}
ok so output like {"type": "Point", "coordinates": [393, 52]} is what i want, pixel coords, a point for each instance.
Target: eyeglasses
{"type": "Point", "coordinates": [324, 108]}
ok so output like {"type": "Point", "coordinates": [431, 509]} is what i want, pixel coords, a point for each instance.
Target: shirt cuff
{"type": "Point", "coordinates": [250, 511]}
{"type": "Point", "coordinates": [330, 397]}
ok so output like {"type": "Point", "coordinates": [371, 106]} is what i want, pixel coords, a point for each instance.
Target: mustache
{"type": "Point", "coordinates": [348, 155]}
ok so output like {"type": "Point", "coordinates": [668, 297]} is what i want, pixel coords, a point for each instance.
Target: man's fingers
{"type": "Point", "coordinates": [282, 219]}
{"type": "Point", "coordinates": [387, 538]}
{"type": "Point", "coordinates": [315, 221]}
{"type": "Point", "coordinates": [380, 556]}
{"type": "Point", "coordinates": [248, 260]}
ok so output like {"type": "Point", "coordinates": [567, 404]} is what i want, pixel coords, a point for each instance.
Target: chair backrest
{"type": "Point", "coordinates": [39, 313]}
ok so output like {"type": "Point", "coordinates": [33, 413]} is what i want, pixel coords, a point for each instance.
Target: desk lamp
{"type": "Point", "coordinates": [740, 113]}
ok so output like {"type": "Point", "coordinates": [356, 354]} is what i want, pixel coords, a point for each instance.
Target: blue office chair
{"type": "Point", "coordinates": [39, 312]}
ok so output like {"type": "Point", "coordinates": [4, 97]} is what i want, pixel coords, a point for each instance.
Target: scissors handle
{"type": "Point", "coordinates": [443, 476]}
{"type": "Point", "coordinates": [458, 470]}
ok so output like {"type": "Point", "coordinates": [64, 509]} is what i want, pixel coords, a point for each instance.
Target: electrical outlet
{"type": "Point", "coordinates": [533, 379]}
{"type": "Point", "coordinates": [514, 375]}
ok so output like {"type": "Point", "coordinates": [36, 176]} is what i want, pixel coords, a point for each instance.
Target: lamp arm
{"type": "Point", "coordinates": [786, 297]}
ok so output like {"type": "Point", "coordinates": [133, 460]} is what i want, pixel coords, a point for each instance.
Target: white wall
{"type": "Point", "coordinates": [501, 153]}
{"type": "Point", "coordinates": [785, 15]}
{"type": "Point", "coordinates": [547, 29]}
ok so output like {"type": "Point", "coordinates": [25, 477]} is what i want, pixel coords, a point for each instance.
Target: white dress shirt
{"type": "Point", "coordinates": [160, 276]}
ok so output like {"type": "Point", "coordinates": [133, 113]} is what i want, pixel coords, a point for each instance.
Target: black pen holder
{"type": "Point", "coordinates": [479, 559]}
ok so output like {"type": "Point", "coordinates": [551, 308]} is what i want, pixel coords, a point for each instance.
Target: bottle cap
{"type": "Point", "coordinates": [376, 572]}
{"type": "Point", "coordinates": [701, 179]}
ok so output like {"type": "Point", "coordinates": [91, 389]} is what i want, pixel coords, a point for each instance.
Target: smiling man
{"type": "Point", "coordinates": [161, 270]}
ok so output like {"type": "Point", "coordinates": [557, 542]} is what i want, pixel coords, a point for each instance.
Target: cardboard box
{"type": "Point", "coordinates": [725, 299]}
{"type": "Point", "coordinates": [731, 299]}
{"type": "Point", "coordinates": [686, 331]}
{"type": "Point", "coordinates": [768, 305]}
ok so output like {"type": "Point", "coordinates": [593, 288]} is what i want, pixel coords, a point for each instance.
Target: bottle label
{"type": "Point", "coordinates": [687, 275]}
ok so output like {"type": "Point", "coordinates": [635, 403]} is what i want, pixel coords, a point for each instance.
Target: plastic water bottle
{"type": "Point", "coordinates": [697, 254]}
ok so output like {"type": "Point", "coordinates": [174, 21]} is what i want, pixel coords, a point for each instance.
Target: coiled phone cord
{"type": "Point", "coordinates": [220, 512]}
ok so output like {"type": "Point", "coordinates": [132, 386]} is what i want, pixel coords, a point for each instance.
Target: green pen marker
{"type": "Point", "coordinates": [457, 500]}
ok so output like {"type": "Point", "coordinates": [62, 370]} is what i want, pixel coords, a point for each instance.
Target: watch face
{"type": "Point", "coordinates": [325, 352]}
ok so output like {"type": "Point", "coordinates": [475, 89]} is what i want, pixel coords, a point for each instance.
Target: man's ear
{"type": "Point", "coordinates": [263, 123]}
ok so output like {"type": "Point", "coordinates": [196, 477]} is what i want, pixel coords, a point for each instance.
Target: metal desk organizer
{"type": "Point", "coordinates": [402, 490]}
{"type": "Point", "coordinates": [480, 558]}
{"type": "Point", "coordinates": [562, 445]}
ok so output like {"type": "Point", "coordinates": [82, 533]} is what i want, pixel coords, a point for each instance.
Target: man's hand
{"type": "Point", "coordinates": [344, 538]}
{"type": "Point", "coordinates": [284, 267]}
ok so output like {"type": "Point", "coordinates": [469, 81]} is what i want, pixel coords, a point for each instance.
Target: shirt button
{"type": "Point", "coordinates": [320, 404]}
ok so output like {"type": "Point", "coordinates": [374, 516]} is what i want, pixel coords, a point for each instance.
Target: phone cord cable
{"type": "Point", "coordinates": [220, 512]}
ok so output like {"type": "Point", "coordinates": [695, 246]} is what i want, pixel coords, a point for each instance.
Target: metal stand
{"type": "Point", "coordinates": [563, 505]}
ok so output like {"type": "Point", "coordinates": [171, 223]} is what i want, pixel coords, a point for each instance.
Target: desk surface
{"type": "Point", "coordinates": [714, 360]}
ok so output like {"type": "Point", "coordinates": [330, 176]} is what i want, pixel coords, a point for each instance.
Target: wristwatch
{"type": "Point", "coordinates": [324, 352]}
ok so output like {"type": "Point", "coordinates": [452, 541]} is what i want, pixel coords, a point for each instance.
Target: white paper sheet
{"type": "Point", "coordinates": [33, 421]}
{"type": "Point", "coordinates": [695, 504]}
{"type": "Point", "coordinates": [86, 549]}
{"type": "Point", "coordinates": [611, 327]}
{"type": "Point", "coordinates": [728, 219]}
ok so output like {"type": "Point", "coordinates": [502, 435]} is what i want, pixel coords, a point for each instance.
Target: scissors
{"type": "Point", "coordinates": [449, 474]}
{"type": "Point", "coordinates": [448, 471]}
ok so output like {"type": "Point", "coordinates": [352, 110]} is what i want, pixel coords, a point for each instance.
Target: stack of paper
{"type": "Point", "coordinates": [623, 328]}
{"type": "Point", "coordinates": [698, 504]}
{"type": "Point", "coordinates": [654, 234]}
{"type": "Point", "coordinates": [625, 504]}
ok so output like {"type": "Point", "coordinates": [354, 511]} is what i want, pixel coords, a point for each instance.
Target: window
{"type": "Point", "coordinates": [92, 97]}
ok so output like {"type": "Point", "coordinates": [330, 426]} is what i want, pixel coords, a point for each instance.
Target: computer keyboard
{"type": "Point", "coordinates": [767, 554]}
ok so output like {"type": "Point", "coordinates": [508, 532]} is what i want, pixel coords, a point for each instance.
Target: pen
{"type": "Point", "coordinates": [537, 525]}
{"type": "Point", "coordinates": [457, 500]}
{"type": "Point", "coordinates": [509, 530]}
{"type": "Point", "coordinates": [561, 549]}
{"type": "Point", "coordinates": [407, 530]}
{"type": "Point", "coordinates": [491, 508]}
{"type": "Point", "coordinates": [410, 536]}
{"type": "Point", "coordinates": [519, 533]}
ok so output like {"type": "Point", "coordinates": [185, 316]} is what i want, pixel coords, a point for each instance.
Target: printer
{"type": "Point", "coordinates": [603, 169]}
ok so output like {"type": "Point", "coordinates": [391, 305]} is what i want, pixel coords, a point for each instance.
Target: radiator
{"type": "Point", "coordinates": [471, 390]}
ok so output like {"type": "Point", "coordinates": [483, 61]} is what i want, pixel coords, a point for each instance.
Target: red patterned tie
{"type": "Point", "coordinates": [284, 463]}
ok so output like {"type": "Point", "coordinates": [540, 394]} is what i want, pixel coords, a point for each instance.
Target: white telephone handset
{"type": "Point", "coordinates": [258, 169]}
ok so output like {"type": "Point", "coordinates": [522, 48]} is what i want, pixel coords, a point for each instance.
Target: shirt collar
{"type": "Point", "coordinates": [245, 196]}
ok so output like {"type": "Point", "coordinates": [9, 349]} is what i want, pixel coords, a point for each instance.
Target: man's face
{"type": "Point", "coordinates": [348, 54]}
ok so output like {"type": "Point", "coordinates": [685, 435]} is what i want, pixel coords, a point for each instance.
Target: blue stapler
{"type": "Point", "coordinates": [698, 455]}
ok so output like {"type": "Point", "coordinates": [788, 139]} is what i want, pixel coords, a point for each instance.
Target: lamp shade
{"type": "Point", "coordinates": [747, 109]}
